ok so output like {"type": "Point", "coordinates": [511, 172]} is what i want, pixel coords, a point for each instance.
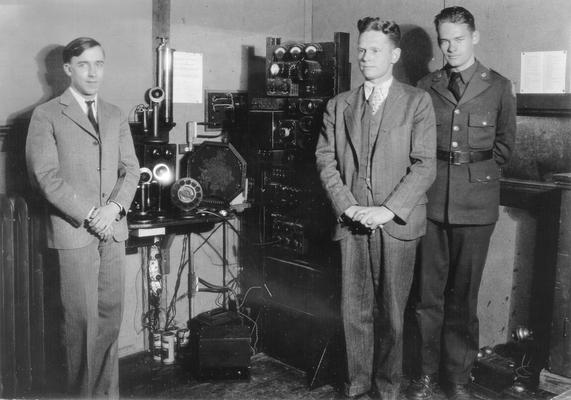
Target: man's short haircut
{"type": "Point", "coordinates": [389, 28]}
{"type": "Point", "coordinates": [77, 46]}
{"type": "Point", "coordinates": [456, 15]}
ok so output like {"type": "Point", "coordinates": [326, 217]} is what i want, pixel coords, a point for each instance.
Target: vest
{"type": "Point", "coordinates": [370, 125]}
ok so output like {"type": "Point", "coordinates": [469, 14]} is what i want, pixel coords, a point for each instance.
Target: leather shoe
{"type": "Point", "coordinates": [459, 392]}
{"type": "Point", "coordinates": [422, 388]}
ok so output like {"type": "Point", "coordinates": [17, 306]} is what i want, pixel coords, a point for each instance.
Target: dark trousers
{"type": "Point", "coordinates": [377, 273]}
{"type": "Point", "coordinates": [92, 287]}
{"type": "Point", "coordinates": [452, 260]}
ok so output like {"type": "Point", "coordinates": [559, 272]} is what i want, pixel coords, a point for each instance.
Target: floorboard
{"type": "Point", "coordinates": [143, 378]}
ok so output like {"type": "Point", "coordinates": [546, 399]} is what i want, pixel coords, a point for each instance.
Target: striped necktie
{"type": "Point", "coordinates": [91, 114]}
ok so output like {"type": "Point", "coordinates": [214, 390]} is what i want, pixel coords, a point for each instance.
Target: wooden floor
{"type": "Point", "coordinates": [143, 378]}
{"type": "Point", "coordinates": [269, 379]}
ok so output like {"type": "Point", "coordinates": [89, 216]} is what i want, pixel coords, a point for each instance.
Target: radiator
{"type": "Point", "coordinates": [22, 324]}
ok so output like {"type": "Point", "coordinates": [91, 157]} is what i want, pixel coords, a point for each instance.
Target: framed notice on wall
{"type": "Point", "coordinates": [187, 77]}
{"type": "Point", "coordinates": [543, 71]}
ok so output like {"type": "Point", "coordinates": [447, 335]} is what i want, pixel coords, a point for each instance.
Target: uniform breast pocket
{"type": "Point", "coordinates": [484, 171]}
{"type": "Point", "coordinates": [482, 130]}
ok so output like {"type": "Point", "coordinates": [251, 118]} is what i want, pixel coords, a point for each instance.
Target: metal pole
{"type": "Point", "coordinates": [190, 277]}
{"type": "Point", "coordinates": [224, 261]}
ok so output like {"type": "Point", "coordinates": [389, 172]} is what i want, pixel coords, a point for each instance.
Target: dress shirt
{"type": "Point", "coordinates": [81, 100]}
{"type": "Point", "coordinates": [384, 87]}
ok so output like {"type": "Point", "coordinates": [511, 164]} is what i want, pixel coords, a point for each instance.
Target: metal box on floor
{"type": "Point", "coordinates": [220, 347]}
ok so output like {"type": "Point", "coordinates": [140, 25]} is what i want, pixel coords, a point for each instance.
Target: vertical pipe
{"type": "Point", "coordinates": [165, 78]}
{"type": "Point", "coordinates": [190, 277]}
{"type": "Point", "coordinates": [224, 261]}
{"type": "Point", "coordinates": [156, 120]}
{"type": "Point", "coordinates": [161, 27]}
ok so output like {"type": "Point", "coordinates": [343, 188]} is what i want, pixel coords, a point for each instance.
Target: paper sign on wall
{"type": "Point", "coordinates": [187, 77]}
{"type": "Point", "coordinates": [543, 71]}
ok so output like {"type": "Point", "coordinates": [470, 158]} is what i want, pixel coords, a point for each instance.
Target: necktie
{"type": "Point", "coordinates": [91, 114]}
{"type": "Point", "coordinates": [376, 99]}
{"type": "Point", "coordinates": [455, 85]}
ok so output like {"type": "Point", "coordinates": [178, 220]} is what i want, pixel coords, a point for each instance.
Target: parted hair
{"type": "Point", "coordinates": [389, 28]}
{"type": "Point", "coordinates": [77, 46]}
{"type": "Point", "coordinates": [456, 15]}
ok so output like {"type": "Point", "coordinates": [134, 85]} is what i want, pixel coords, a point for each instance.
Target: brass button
{"type": "Point", "coordinates": [484, 123]}
{"type": "Point", "coordinates": [98, 169]}
{"type": "Point", "coordinates": [457, 111]}
{"type": "Point", "coordinates": [454, 144]}
{"type": "Point", "coordinates": [455, 128]}
{"type": "Point", "coordinates": [488, 177]}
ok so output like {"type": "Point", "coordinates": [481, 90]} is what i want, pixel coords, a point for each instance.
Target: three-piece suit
{"type": "Point", "coordinates": [373, 160]}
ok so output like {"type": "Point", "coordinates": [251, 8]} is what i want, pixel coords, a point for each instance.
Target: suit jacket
{"type": "Point", "coordinates": [483, 119]}
{"type": "Point", "coordinates": [76, 169]}
{"type": "Point", "coordinates": [402, 161]}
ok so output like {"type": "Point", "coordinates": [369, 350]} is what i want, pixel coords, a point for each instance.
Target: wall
{"type": "Point", "coordinates": [522, 25]}
{"type": "Point", "coordinates": [511, 26]}
{"type": "Point", "coordinates": [231, 35]}
{"type": "Point", "coordinates": [507, 28]}
{"type": "Point", "coordinates": [34, 34]}
{"type": "Point", "coordinates": [233, 45]}
{"type": "Point", "coordinates": [31, 73]}
{"type": "Point", "coordinates": [419, 51]}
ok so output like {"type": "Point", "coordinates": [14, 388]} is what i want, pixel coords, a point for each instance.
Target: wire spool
{"type": "Point", "coordinates": [186, 194]}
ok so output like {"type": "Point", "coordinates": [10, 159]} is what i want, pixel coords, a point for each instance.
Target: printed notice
{"type": "Point", "coordinates": [543, 71]}
{"type": "Point", "coordinates": [187, 77]}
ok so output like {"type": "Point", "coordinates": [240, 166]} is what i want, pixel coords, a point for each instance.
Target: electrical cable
{"type": "Point", "coordinates": [205, 240]}
{"type": "Point", "coordinates": [227, 220]}
{"type": "Point", "coordinates": [171, 310]}
{"type": "Point", "coordinates": [232, 287]}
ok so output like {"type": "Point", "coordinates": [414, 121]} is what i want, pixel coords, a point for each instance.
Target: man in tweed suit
{"type": "Point", "coordinates": [376, 159]}
{"type": "Point", "coordinates": [81, 157]}
{"type": "Point", "coordinates": [475, 117]}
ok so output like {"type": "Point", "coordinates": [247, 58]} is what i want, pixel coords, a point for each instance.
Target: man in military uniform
{"type": "Point", "coordinates": [475, 117]}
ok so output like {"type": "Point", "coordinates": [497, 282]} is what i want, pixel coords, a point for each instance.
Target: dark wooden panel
{"type": "Point", "coordinates": [8, 312]}
{"type": "Point", "coordinates": [560, 343]}
{"type": "Point", "coordinates": [544, 104]}
{"type": "Point", "coordinates": [22, 294]}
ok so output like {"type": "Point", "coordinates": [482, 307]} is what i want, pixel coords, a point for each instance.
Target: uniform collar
{"type": "Point", "coordinates": [466, 74]}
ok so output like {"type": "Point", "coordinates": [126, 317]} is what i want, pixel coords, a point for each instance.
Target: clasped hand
{"type": "Point", "coordinates": [370, 217]}
{"type": "Point", "coordinates": [101, 220]}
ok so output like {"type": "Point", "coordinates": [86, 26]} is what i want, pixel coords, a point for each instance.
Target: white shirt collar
{"type": "Point", "coordinates": [81, 101]}
{"type": "Point", "coordinates": [384, 86]}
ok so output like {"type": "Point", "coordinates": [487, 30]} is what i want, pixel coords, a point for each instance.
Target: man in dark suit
{"type": "Point", "coordinates": [475, 118]}
{"type": "Point", "coordinates": [376, 159]}
{"type": "Point", "coordinates": [81, 157]}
